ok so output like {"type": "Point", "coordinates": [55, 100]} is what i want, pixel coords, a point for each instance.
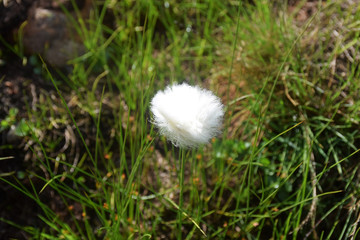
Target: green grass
{"type": "Point", "coordinates": [285, 166]}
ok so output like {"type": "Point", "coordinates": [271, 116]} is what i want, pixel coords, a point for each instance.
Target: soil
{"type": "Point", "coordinates": [20, 88]}
{"type": "Point", "coordinates": [15, 206]}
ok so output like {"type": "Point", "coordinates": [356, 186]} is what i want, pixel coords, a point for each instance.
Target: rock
{"type": "Point", "coordinates": [58, 4]}
{"type": "Point", "coordinates": [12, 137]}
{"type": "Point", "coordinates": [50, 34]}
{"type": "Point", "coordinates": [47, 29]}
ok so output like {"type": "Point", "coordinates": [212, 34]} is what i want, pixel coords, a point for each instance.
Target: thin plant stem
{"type": "Point", "coordinates": [181, 182]}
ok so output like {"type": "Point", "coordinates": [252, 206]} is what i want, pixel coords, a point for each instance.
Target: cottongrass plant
{"type": "Point", "coordinates": [188, 116]}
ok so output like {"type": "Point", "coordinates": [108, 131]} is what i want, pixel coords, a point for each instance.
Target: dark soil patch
{"type": "Point", "coordinates": [17, 89]}
{"type": "Point", "coordinates": [20, 87]}
{"type": "Point", "coordinates": [12, 15]}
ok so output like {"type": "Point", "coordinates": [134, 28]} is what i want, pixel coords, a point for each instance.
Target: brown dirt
{"type": "Point", "coordinates": [20, 88]}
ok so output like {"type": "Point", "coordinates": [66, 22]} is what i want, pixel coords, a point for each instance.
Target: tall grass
{"type": "Point", "coordinates": [285, 167]}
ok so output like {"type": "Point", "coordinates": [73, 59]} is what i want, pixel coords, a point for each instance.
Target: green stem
{"type": "Point", "coordinates": [181, 182]}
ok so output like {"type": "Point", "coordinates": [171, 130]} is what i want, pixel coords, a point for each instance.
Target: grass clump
{"type": "Point", "coordinates": [300, 87]}
{"type": "Point", "coordinates": [285, 166]}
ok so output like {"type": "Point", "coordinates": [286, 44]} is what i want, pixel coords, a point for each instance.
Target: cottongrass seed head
{"type": "Point", "coordinates": [187, 115]}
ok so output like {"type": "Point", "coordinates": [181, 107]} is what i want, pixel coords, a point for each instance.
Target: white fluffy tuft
{"type": "Point", "coordinates": [188, 116]}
